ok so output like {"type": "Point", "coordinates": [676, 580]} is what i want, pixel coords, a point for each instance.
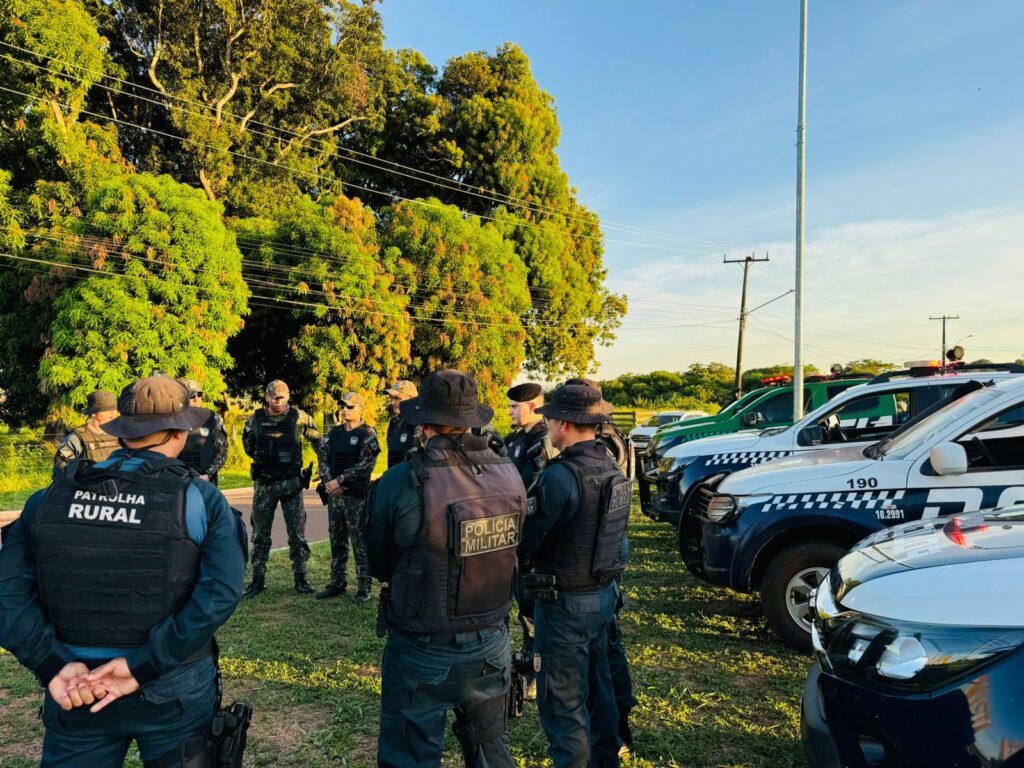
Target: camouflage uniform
{"type": "Point", "coordinates": [288, 491]}
{"type": "Point", "coordinates": [345, 511]}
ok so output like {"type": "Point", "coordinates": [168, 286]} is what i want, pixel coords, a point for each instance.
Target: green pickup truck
{"type": "Point", "coordinates": [767, 407]}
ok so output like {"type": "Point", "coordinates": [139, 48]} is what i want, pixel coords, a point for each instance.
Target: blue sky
{"type": "Point", "coordinates": [679, 117]}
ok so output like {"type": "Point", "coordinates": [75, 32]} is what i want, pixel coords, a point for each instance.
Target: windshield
{"type": "Point", "coordinates": [736, 405]}
{"type": "Point", "coordinates": [654, 421]}
{"type": "Point", "coordinates": [1010, 513]}
{"type": "Point", "coordinates": [900, 444]}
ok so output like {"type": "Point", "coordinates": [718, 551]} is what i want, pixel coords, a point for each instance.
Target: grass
{"type": "Point", "coordinates": [714, 688]}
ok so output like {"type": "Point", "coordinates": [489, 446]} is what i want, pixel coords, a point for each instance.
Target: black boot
{"type": "Point", "coordinates": [256, 586]}
{"type": "Point", "coordinates": [331, 590]}
{"type": "Point", "coordinates": [301, 585]}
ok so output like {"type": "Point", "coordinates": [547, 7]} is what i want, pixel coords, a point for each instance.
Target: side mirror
{"type": "Point", "coordinates": [948, 459]}
{"type": "Point", "coordinates": [812, 435]}
{"type": "Point", "coordinates": [753, 418]}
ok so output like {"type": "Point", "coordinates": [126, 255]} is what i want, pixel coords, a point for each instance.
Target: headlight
{"type": "Point", "coordinates": [722, 507]}
{"type": "Point", "coordinates": [671, 465]}
{"type": "Point", "coordinates": [915, 657]}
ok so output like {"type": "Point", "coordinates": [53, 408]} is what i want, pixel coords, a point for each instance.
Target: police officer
{"type": "Point", "coordinates": [530, 450]}
{"type": "Point", "coordinates": [207, 448]}
{"type": "Point", "coordinates": [125, 568]}
{"type": "Point", "coordinates": [401, 437]}
{"type": "Point", "coordinates": [273, 438]}
{"type": "Point", "coordinates": [443, 529]}
{"type": "Point", "coordinates": [574, 544]}
{"type": "Point", "coordinates": [347, 459]}
{"type": "Point", "coordinates": [89, 441]}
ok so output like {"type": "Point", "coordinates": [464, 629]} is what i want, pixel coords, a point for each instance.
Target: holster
{"type": "Point", "coordinates": [321, 491]}
{"type": "Point", "coordinates": [541, 586]}
{"type": "Point", "coordinates": [222, 747]}
{"type": "Point", "coordinates": [307, 475]}
{"type": "Point", "coordinates": [383, 609]}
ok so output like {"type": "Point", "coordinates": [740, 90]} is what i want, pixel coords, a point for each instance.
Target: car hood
{"type": "Point", "coordinates": [810, 472]}
{"type": "Point", "coordinates": [963, 569]}
{"type": "Point", "coordinates": [738, 441]}
{"type": "Point", "coordinates": [678, 427]}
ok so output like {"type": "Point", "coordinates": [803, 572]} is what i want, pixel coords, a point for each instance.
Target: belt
{"type": "Point", "coordinates": [449, 639]}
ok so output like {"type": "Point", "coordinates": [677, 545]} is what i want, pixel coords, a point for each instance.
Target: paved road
{"type": "Point", "coordinates": [316, 516]}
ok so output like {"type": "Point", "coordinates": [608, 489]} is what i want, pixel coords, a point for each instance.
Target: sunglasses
{"type": "Point", "coordinates": [195, 396]}
{"type": "Point", "coordinates": [349, 407]}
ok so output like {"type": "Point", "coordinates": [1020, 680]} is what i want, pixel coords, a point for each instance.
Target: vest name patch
{"type": "Point", "coordinates": [489, 534]}
{"type": "Point", "coordinates": [104, 514]}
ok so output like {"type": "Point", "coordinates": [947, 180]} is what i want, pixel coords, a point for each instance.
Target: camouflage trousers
{"type": "Point", "coordinates": [264, 503]}
{"type": "Point", "coordinates": [343, 513]}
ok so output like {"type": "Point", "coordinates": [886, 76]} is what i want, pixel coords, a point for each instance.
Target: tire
{"type": "Point", "coordinates": [786, 587]}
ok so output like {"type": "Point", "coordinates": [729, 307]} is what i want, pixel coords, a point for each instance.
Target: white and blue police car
{"type": "Point", "coordinates": [780, 527]}
{"type": "Point", "coordinates": [918, 641]}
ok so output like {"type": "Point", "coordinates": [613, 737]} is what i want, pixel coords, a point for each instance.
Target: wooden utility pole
{"type": "Point", "coordinates": [738, 386]}
{"type": "Point", "coordinates": [944, 318]}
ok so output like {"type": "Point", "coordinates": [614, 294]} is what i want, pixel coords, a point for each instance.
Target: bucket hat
{"type": "Point", "coordinates": [153, 404]}
{"type": "Point", "coordinates": [578, 401]}
{"type": "Point", "coordinates": [448, 398]}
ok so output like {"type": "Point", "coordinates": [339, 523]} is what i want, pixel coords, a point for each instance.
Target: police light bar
{"type": "Point", "coordinates": [780, 379]}
{"type": "Point", "coordinates": [923, 364]}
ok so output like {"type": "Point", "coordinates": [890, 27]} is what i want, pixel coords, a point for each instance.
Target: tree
{"type": "Point", "coordinates": [470, 293]}
{"type": "Point", "coordinates": [869, 366]}
{"type": "Point", "coordinates": [336, 319]}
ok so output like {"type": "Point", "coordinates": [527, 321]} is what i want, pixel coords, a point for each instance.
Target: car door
{"type": "Point", "coordinates": [994, 477]}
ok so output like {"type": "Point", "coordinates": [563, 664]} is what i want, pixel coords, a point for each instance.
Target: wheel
{"type": "Point", "coordinates": [787, 585]}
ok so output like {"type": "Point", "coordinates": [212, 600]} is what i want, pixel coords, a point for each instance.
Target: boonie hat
{"type": "Point", "coordinates": [153, 404]}
{"type": "Point", "coordinates": [191, 386]}
{"type": "Point", "coordinates": [99, 401]}
{"type": "Point", "coordinates": [524, 393]}
{"type": "Point", "coordinates": [353, 398]}
{"type": "Point", "coordinates": [277, 388]}
{"type": "Point", "coordinates": [448, 398]}
{"type": "Point", "coordinates": [402, 389]}
{"type": "Point", "coordinates": [578, 401]}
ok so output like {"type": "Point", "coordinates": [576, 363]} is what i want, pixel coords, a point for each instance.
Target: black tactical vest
{"type": "Point", "coordinates": [524, 447]}
{"type": "Point", "coordinates": [278, 446]}
{"type": "Point", "coordinates": [588, 554]}
{"type": "Point", "coordinates": [458, 575]}
{"type": "Point", "coordinates": [400, 440]}
{"type": "Point", "coordinates": [98, 444]}
{"type": "Point", "coordinates": [112, 552]}
{"type": "Point", "coordinates": [199, 448]}
{"type": "Point", "coordinates": [344, 447]}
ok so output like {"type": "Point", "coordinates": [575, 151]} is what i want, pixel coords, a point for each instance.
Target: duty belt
{"type": "Point", "coordinates": [449, 639]}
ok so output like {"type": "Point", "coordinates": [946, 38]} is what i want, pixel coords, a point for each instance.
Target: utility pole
{"type": "Point", "coordinates": [944, 318]}
{"type": "Point", "coordinates": [738, 386]}
{"type": "Point", "coordinates": [801, 127]}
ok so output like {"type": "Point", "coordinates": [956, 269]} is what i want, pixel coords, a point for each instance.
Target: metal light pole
{"type": "Point", "coordinates": [798, 339]}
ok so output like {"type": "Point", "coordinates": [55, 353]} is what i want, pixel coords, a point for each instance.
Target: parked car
{"type": "Point", "coordinates": [769, 407]}
{"type": "Point", "coordinates": [862, 414]}
{"type": "Point", "coordinates": [919, 649]}
{"type": "Point", "coordinates": [642, 435]}
{"type": "Point", "coordinates": [780, 527]}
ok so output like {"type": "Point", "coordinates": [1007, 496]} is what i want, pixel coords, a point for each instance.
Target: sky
{"type": "Point", "coordinates": [678, 127]}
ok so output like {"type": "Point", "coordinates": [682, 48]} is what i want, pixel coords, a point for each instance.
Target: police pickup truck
{"type": "Point", "coordinates": [780, 527]}
{"type": "Point", "coordinates": [769, 407]}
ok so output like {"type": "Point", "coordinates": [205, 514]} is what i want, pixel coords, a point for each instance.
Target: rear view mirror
{"type": "Point", "coordinates": [753, 418]}
{"type": "Point", "coordinates": [812, 435]}
{"type": "Point", "coordinates": [948, 459]}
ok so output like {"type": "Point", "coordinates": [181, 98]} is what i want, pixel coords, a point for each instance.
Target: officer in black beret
{"type": "Point", "coordinates": [574, 544]}
{"type": "Point", "coordinates": [442, 531]}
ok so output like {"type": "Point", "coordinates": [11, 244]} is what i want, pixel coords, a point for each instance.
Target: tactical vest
{"type": "Point", "coordinates": [459, 573]}
{"type": "Point", "coordinates": [278, 446]}
{"type": "Point", "coordinates": [523, 446]}
{"type": "Point", "coordinates": [400, 440]}
{"type": "Point", "coordinates": [588, 554]}
{"type": "Point", "coordinates": [112, 551]}
{"type": "Point", "coordinates": [98, 444]}
{"type": "Point", "coordinates": [344, 446]}
{"type": "Point", "coordinates": [199, 448]}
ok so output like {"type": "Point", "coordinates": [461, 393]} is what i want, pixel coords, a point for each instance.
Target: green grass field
{"type": "Point", "coordinates": [714, 688]}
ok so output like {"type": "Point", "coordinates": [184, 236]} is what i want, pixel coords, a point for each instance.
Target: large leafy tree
{"type": "Point", "coordinates": [332, 305]}
{"type": "Point", "coordinates": [469, 292]}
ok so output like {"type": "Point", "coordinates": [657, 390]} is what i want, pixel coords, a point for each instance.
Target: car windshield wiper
{"type": "Point", "coordinates": [874, 451]}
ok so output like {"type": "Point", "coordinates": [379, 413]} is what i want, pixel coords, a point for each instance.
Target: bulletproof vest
{"type": "Point", "coordinates": [112, 551]}
{"type": "Point", "coordinates": [199, 448]}
{"type": "Point", "coordinates": [98, 444]}
{"type": "Point", "coordinates": [278, 446]}
{"type": "Point", "coordinates": [458, 574]}
{"type": "Point", "coordinates": [523, 449]}
{"type": "Point", "coordinates": [587, 554]}
{"type": "Point", "coordinates": [400, 440]}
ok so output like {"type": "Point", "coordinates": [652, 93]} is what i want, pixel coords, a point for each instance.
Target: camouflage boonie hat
{"type": "Point", "coordinates": [353, 398]}
{"type": "Point", "coordinates": [191, 386]}
{"type": "Point", "coordinates": [404, 389]}
{"type": "Point", "coordinates": [277, 388]}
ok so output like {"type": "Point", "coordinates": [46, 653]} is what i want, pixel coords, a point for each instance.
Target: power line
{"type": "Point", "coordinates": [447, 183]}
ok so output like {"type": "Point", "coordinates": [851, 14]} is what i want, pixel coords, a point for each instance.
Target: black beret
{"type": "Point", "coordinates": [524, 393]}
